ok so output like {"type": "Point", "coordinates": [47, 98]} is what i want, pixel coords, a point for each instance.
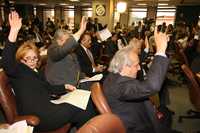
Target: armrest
{"type": "Point", "coordinates": [30, 119]}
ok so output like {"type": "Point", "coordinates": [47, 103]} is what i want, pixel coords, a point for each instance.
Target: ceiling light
{"type": "Point", "coordinates": [63, 4]}
{"type": "Point", "coordinates": [42, 4]}
{"type": "Point", "coordinates": [141, 4]}
{"type": "Point", "coordinates": [162, 4]}
{"type": "Point", "coordinates": [121, 7]}
{"type": "Point", "coordinates": [86, 4]}
{"type": "Point", "coordinates": [73, 0]}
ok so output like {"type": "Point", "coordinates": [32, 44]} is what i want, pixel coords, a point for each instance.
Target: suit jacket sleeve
{"type": "Point", "coordinates": [136, 89]}
{"type": "Point", "coordinates": [143, 56]}
{"type": "Point", "coordinates": [57, 89]}
{"type": "Point", "coordinates": [8, 58]}
{"type": "Point", "coordinates": [56, 52]}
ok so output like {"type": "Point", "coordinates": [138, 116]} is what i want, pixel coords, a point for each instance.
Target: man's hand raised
{"type": "Point", "coordinates": [83, 23]}
{"type": "Point", "coordinates": [161, 41]}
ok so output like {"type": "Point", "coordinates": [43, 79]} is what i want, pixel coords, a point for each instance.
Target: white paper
{"type": "Point", "coordinates": [96, 77]}
{"type": "Point", "coordinates": [196, 37]}
{"type": "Point", "coordinates": [18, 127]}
{"type": "Point", "coordinates": [198, 74]}
{"type": "Point", "coordinates": [78, 98]}
{"type": "Point", "coordinates": [104, 34]}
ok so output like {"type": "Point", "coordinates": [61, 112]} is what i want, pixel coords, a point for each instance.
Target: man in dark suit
{"type": "Point", "coordinates": [128, 97]}
{"type": "Point", "coordinates": [85, 57]}
{"type": "Point", "coordinates": [97, 26]}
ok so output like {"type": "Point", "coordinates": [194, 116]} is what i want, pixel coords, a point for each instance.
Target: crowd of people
{"type": "Point", "coordinates": [134, 62]}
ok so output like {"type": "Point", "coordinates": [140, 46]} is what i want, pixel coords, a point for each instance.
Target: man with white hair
{"type": "Point", "coordinates": [127, 96]}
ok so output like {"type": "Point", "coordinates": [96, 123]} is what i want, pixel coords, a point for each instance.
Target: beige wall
{"type": "Point", "coordinates": [124, 19]}
{"type": "Point", "coordinates": [58, 13]}
{"type": "Point", "coordinates": [109, 16]}
{"type": "Point", "coordinates": [77, 15]}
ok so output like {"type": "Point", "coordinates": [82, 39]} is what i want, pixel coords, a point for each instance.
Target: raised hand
{"type": "Point", "coordinates": [15, 24]}
{"type": "Point", "coordinates": [15, 21]}
{"type": "Point", "coordinates": [161, 41]}
{"type": "Point", "coordinates": [82, 28]}
{"type": "Point", "coordinates": [83, 23]}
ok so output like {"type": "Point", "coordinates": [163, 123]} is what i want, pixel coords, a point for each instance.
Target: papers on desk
{"type": "Point", "coordinates": [18, 127]}
{"type": "Point", "coordinates": [104, 34]}
{"type": "Point", "coordinates": [96, 77]}
{"type": "Point", "coordinates": [78, 98]}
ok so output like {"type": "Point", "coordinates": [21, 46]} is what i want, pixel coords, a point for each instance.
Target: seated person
{"type": "Point", "coordinates": [111, 45]}
{"type": "Point", "coordinates": [31, 90]}
{"type": "Point", "coordinates": [62, 64]}
{"type": "Point", "coordinates": [128, 97]}
{"type": "Point", "coordinates": [85, 57]}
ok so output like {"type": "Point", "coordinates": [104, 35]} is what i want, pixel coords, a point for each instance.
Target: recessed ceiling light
{"type": "Point", "coordinates": [162, 4]}
{"type": "Point", "coordinates": [163, 0]}
{"type": "Point", "coordinates": [86, 4]}
{"type": "Point", "coordinates": [141, 4]}
{"type": "Point", "coordinates": [73, 0]}
{"type": "Point", "coordinates": [42, 4]}
{"type": "Point", "coordinates": [63, 4]}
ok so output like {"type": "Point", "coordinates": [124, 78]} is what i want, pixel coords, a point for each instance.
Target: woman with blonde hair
{"type": "Point", "coordinates": [32, 91]}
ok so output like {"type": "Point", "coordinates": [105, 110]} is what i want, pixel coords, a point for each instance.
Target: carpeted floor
{"type": "Point", "coordinates": [180, 103]}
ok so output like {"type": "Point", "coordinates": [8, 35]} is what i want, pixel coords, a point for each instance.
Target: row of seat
{"type": "Point", "coordinates": [104, 123]}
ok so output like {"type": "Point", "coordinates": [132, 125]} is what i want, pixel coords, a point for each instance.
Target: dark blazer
{"type": "Point", "coordinates": [62, 64]}
{"type": "Point", "coordinates": [33, 94]}
{"type": "Point", "coordinates": [195, 65]}
{"type": "Point", "coordinates": [100, 27]}
{"type": "Point", "coordinates": [84, 61]}
{"type": "Point", "coordinates": [111, 48]}
{"type": "Point", "coordinates": [128, 97]}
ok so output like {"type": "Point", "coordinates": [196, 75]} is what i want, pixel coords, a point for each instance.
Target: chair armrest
{"type": "Point", "coordinates": [30, 119]}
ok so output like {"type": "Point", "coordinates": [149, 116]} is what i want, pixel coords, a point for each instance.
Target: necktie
{"type": "Point", "coordinates": [90, 56]}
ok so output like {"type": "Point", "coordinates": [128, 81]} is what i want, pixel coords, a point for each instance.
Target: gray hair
{"type": "Point", "coordinates": [59, 33]}
{"type": "Point", "coordinates": [121, 59]}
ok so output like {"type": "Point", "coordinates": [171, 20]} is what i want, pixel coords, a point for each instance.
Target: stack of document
{"type": "Point", "coordinates": [96, 77]}
{"type": "Point", "coordinates": [78, 98]}
{"type": "Point", "coordinates": [18, 127]}
{"type": "Point", "coordinates": [104, 34]}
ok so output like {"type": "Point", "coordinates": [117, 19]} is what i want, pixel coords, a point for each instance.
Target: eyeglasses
{"type": "Point", "coordinates": [30, 59]}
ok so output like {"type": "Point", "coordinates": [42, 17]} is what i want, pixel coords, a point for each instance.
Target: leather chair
{"type": "Point", "coordinates": [194, 94]}
{"type": "Point", "coordinates": [105, 123]}
{"type": "Point", "coordinates": [99, 98]}
{"type": "Point", "coordinates": [8, 104]}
